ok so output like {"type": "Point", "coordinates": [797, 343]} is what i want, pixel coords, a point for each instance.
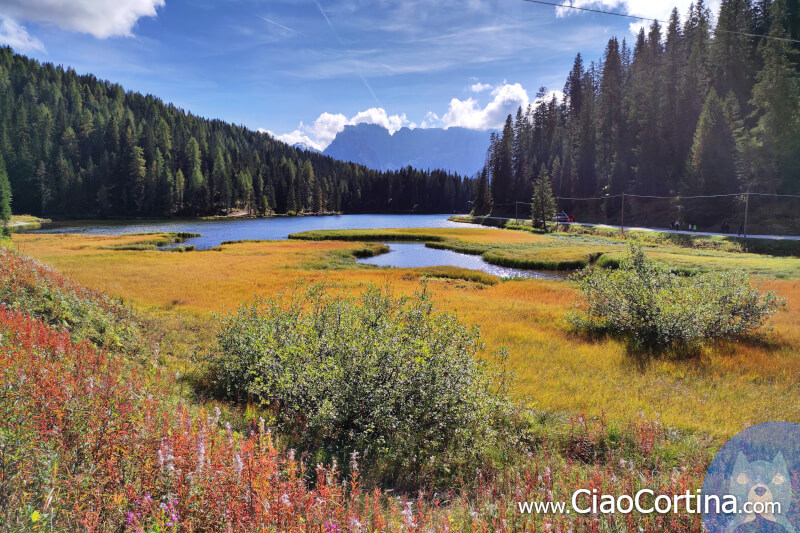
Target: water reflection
{"type": "Point", "coordinates": [414, 255]}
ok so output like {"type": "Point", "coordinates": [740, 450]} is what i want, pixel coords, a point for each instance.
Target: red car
{"type": "Point", "coordinates": [563, 218]}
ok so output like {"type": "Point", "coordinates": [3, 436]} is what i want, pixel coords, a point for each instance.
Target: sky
{"type": "Point", "coordinates": [303, 69]}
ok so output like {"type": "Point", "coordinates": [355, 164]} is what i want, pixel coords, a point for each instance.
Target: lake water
{"type": "Point", "coordinates": [414, 255]}
{"type": "Point", "coordinates": [214, 232]}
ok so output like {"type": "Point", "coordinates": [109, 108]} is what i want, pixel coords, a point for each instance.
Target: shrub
{"type": "Point", "coordinates": [656, 309]}
{"type": "Point", "coordinates": [389, 378]}
{"type": "Point", "coordinates": [28, 286]}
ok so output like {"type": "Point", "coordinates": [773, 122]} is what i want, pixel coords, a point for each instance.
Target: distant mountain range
{"type": "Point", "coordinates": [306, 147]}
{"type": "Point", "coordinates": [455, 149]}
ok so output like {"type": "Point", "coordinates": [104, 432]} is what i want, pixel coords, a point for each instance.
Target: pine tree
{"type": "Point", "coordinates": [502, 170]}
{"type": "Point", "coordinates": [482, 205]}
{"type": "Point", "coordinates": [5, 196]}
{"type": "Point", "coordinates": [775, 140]}
{"type": "Point", "coordinates": [712, 167]}
{"type": "Point", "coordinates": [543, 205]}
{"type": "Point", "coordinates": [732, 54]}
{"type": "Point", "coordinates": [611, 119]}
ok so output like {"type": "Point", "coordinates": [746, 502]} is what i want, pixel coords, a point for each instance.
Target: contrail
{"type": "Point", "coordinates": [336, 34]}
{"type": "Point", "coordinates": [328, 21]}
{"type": "Point", "coordinates": [279, 25]}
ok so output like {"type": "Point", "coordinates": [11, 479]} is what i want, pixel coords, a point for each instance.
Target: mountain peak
{"type": "Point", "coordinates": [455, 149]}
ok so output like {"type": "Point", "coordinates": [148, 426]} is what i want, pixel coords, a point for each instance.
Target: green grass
{"type": "Point", "coordinates": [342, 259]}
{"type": "Point", "coordinates": [25, 223]}
{"type": "Point", "coordinates": [774, 247]}
{"type": "Point", "coordinates": [548, 260]}
{"type": "Point", "coordinates": [154, 241]}
{"type": "Point", "coordinates": [553, 254]}
{"type": "Point", "coordinates": [366, 235]}
{"type": "Point", "coordinates": [457, 273]}
{"type": "Point", "coordinates": [685, 254]}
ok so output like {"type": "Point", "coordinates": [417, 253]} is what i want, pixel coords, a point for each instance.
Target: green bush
{"type": "Point", "coordinates": [388, 378]}
{"type": "Point", "coordinates": [30, 287]}
{"type": "Point", "coordinates": [657, 309]}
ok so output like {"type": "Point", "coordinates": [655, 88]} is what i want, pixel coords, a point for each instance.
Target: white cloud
{"type": "Point", "coordinates": [469, 114]}
{"type": "Point", "coordinates": [101, 18]}
{"type": "Point", "coordinates": [324, 129]}
{"type": "Point", "coordinates": [649, 9]}
{"type": "Point", "coordinates": [506, 99]}
{"type": "Point", "coordinates": [17, 37]}
{"type": "Point", "coordinates": [479, 87]}
{"type": "Point", "coordinates": [431, 120]}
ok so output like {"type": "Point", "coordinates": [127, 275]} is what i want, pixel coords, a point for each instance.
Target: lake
{"type": "Point", "coordinates": [214, 232]}
{"type": "Point", "coordinates": [414, 255]}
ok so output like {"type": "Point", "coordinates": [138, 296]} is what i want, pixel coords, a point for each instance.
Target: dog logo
{"type": "Point", "coordinates": [762, 490]}
{"type": "Point", "coordinates": [753, 483]}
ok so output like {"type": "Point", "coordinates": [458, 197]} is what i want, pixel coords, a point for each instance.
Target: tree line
{"type": "Point", "coordinates": [77, 146]}
{"type": "Point", "coordinates": [688, 110]}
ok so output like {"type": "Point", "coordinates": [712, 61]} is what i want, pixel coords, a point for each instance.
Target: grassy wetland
{"type": "Point", "coordinates": [557, 370]}
{"type": "Point", "coordinates": [581, 411]}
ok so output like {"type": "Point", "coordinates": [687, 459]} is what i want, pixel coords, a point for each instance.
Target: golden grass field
{"type": "Point", "coordinates": [718, 394]}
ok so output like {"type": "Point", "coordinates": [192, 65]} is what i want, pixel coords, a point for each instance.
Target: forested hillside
{"type": "Point", "coordinates": [77, 146]}
{"type": "Point", "coordinates": [686, 110]}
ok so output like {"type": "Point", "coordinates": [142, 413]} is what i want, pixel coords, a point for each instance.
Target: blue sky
{"type": "Point", "coordinates": [302, 69]}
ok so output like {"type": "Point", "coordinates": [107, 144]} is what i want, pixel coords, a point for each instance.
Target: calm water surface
{"type": "Point", "coordinates": [414, 255]}
{"type": "Point", "coordinates": [213, 232]}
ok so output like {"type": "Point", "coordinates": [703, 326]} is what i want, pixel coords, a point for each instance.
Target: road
{"type": "Point", "coordinates": [667, 230]}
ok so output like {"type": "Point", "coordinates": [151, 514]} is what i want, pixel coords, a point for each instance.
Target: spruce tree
{"type": "Point", "coordinates": [5, 197]}
{"type": "Point", "coordinates": [543, 205]}
{"type": "Point", "coordinates": [775, 145]}
{"type": "Point", "coordinates": [482, 205]}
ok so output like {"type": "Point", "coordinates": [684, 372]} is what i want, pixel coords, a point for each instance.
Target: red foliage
{"type": "Point", "coordinates": [93, 441]}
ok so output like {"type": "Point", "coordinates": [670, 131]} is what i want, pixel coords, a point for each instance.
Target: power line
{"type": "Point", "coordinates": [645, 19]}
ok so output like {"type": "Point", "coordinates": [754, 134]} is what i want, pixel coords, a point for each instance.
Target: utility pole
{"type": "Point", "coordinates": [746, 209]}
{"type": "Point", "coordinates": [623, 214]}
{"type": "Point", "coordinates": [558, 203]}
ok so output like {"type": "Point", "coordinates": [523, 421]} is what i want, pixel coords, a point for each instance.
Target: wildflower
{"type": "Point", "coordinates": [331, 527]}
{"type": "Point", "coordinates": [408, 515]}
{"type": "Point", "coordinates": [201, 451]}
{"type": "Point", "coordinates": [285, 500]}
{"type": "Point", "coordinates": [355, 525]}
{"type": "Point", "coordinates": [239, 464]}
{"type": "Point", "coordinates": [217, 414]}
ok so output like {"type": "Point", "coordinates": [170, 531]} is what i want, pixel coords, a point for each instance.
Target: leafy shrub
{"type": "Point", "coordinates": [656, 309]}
{"type": "Point", "coordinates": [28, 286]}
{"type": "Point", "coordinates": [389, 378]}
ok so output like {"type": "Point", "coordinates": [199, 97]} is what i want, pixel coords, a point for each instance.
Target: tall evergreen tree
{"type": "Point", "coordinates": [5, 195]}
{"type": "Point", "coordinates": [482, 205]}
{"type": "Point", "coordinates": [543, 205]}
{"type": "Point", "coordinates": [502, 169]}
{"type": "Point", "coordinates": [774, 151]}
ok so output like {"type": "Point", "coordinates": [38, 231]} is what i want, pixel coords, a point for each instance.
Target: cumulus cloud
{"type": "Point", "coordinates": [469, 114]}
{"type": "Point", "coordinates": [325, 128]}
{"type": "Point", "coordinates": [649, 9]}
{"type": "Point", "coordinates": [101, 18]}
{"type": "Point", "coordinates": [17, 37]}
{"type": "Point", "coordinates": [479, 87]}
